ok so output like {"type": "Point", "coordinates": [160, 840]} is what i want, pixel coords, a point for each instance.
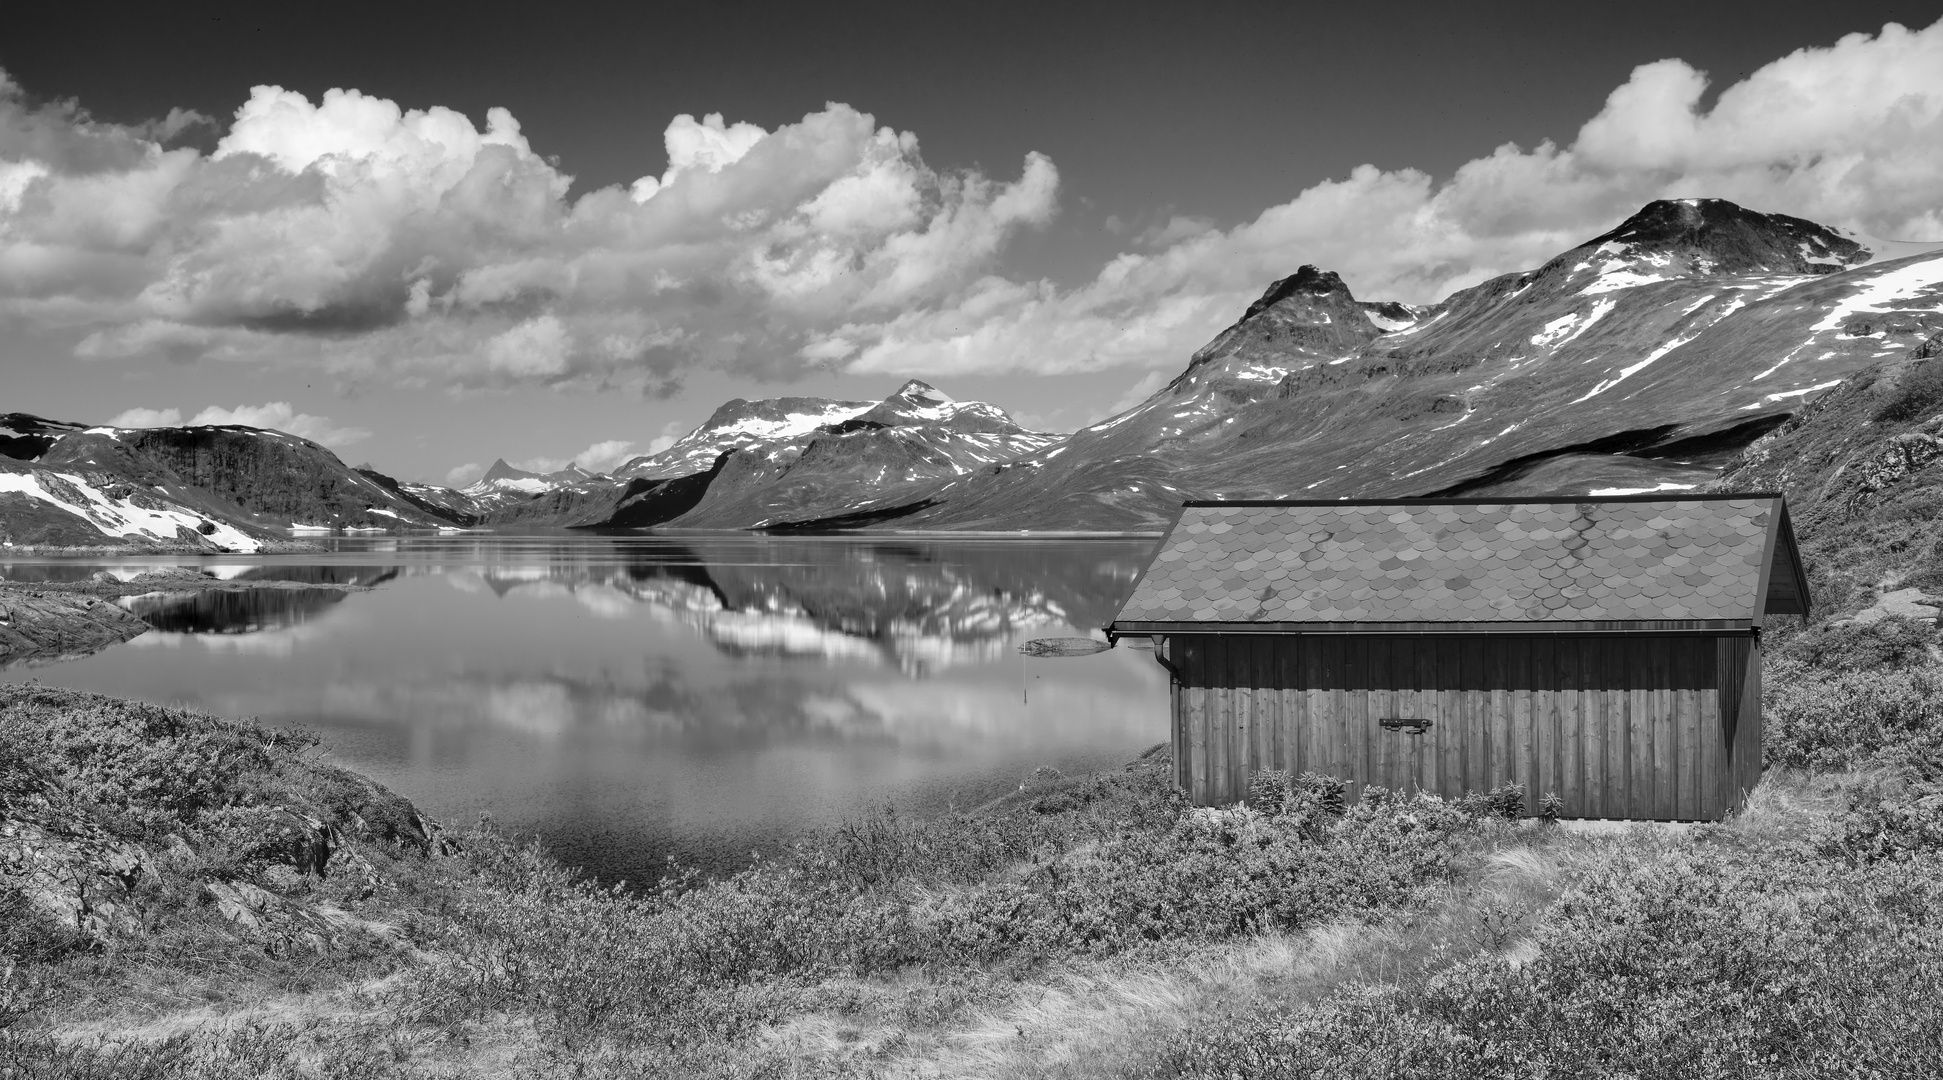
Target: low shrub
{"type": "Point", "coordinates": [1893, 642]}
{"type": "Point", "coordinates": [1699, 963]}
{"type": "Point", "coordinates": [1918, 394]}
{"type": "Point", "coordinates": [1007, 889]}
{"type": "Point", "coordinates": [1850, 720]}
{"type": "Point", "coordinates": [247, 1052]}
{"type": "Point", "coordinates": [1893, 818]}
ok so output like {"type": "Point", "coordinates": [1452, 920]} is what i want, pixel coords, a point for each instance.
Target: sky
{"type": "Point", "coordinates": [432, 235]}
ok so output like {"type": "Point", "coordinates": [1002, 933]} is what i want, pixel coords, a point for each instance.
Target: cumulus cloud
{"type": "Point", "coordinates": [603, 456]}
{"type": "Point", "coordinates": [671, 432]}
{"type": "Point", "coordinates": [598, 458]}
{"type": "Point", "coordinates": [279, 416]}
{"type": "Point", "coordinates": [461, 475]}
{"type": "Point", "coordinates": [410, 245]}
{"type": "Point", "coordinates": [413, 246]}
{"type": "Point", "coordinates": [1849, 135]}
{"type": "Point", "coordinates": [1147, 387]}
{"type": "Point", "coordinates": [144, 418]}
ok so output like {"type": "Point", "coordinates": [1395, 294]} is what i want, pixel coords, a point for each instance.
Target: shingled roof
{"type": "Point", "coordinates": [1588, 563]}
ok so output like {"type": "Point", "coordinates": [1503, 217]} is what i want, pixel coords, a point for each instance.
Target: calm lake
{"type": "Point", "coordinates": [632, 698]}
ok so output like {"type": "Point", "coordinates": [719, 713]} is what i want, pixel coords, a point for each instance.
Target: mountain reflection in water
{"type": "Point", "coordinates": [637, 697]}
{"type": "Point", "coordinates": [250, 611]}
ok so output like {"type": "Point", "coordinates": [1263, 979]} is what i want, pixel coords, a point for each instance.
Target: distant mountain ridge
{"type": "Point", "coordinates": [737, 423]}
{"type": "Point", "coordinates": [207, 488]}
{"type": "Point", "coordinates": [1641, 359]}
{"type": "Point", "coordinates": [1645, 358]}
{"type": "Point", "coordinates": [500, 471]}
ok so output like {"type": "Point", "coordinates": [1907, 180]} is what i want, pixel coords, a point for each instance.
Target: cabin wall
{"type": "Point", "coordinates": [1641, 726]}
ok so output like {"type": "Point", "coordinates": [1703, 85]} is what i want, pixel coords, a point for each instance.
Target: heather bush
{"type": "Point", "coordinates": [1699, 962]}
{"type": "Point", "coordinates": [1892, 642]}
{"type": "Point", "coordinates": [1822, 721]}
{"type": "Point", "coordinates": [1887, 818]}
{"type": "Point", "coordinates": [881, 895]}
{"type": "Point", "coordinates": [247, 1052]}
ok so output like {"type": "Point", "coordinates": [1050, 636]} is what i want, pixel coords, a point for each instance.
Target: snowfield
{"type": "Point", "coordinates": [121, 518]}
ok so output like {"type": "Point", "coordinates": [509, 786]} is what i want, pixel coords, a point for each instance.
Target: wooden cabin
{"type": "Point", "coordinates": [1606, 650]}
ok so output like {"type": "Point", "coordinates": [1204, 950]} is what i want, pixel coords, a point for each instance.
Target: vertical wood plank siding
{"type": "Point", "coordinates": [1645, 726]}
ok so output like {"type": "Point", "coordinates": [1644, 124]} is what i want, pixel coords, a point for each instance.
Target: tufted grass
{"type": "Point", "coordinates": [1082, 927]}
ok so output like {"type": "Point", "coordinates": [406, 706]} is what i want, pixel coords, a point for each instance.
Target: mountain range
{"type": "Point", "coordinates": [1651, 357]}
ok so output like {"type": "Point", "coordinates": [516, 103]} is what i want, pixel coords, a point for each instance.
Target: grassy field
{"type": "Point", "coordinates": [238, 907]}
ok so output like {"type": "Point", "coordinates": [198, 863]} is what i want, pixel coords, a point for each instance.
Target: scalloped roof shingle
{"type": "Point", "coordinates": [1677, 559]}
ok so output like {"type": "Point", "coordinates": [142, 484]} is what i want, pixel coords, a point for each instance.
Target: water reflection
{"type": "Point", "coordinates": [914, 606]}
{"type": "Point", "coordinates": [254, 610]}
{"type": "Point", "coordinates": [639, 697]}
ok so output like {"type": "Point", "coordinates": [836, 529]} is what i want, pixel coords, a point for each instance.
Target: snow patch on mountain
{"type": "Point", "coordinates": [121, 518]}
{"type": "Point", "coordinates": [1616, 274]}
{"type": "Point", "coordinates": [1630, 370]}
{"type": "Point", "coordinates": [1883, 290]}
{"type": "Point", "coordinates": [792, 424]}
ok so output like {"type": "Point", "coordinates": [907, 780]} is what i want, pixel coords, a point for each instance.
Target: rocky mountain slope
{"type": "Point", "coordinates": [1640, 360]}
{"type": "Point", "coordinates": [1863, 469]}
{"type": "Point", "coordinates": [740, 423]}
{"type": "Point", "coordinates": [1643, 359]}
{"type": "Point", "coordinates": [753, 463]}
{"type": "Point", "coordinates": [211, 488]}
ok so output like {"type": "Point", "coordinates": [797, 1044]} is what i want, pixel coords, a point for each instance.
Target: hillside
{"type": "Point", "coordinates": [1642, 359]}
{"type": "Point", "coordinates": [209, 488]}
{"type": "Point", "coordinates": [1645, 358]}
{"type": "Point", "coordinates": [756, 462]}
{"type": "Point", "coordinates": [738, 423]}
{"type": "Point", "coordinates": [1863, 470]}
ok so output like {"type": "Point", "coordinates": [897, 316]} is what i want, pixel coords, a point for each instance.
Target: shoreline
{"type": "Point", "coordinates": [122, 551]}
{"type": "Point", "coordinates": [44, 622]}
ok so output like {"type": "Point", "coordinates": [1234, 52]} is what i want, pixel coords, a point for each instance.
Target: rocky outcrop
{"type": "Point", "coordinates": [112, 812]}
{"type": "Point", "coordinates": [70, 869]}
{"type": "Point", "coordinates": [39, 625]}
{"type": "Point", "coordinates": [1903, 453]}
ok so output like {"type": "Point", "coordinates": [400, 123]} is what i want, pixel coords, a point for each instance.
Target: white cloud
{"type": "Point", "coordinates": [598, 458]}
{"type": "Point", "coordinates": [461, 475]}
{"type": "Point", "coordinates": [387, 244]}
{"type": "Point", "coordinates": [603, 456]}
{"type": "Point", "coordinates": [671, 433]}
{"type": "Point", "coordinates": [1849, 135]}
{"type": "Point", "coordinates": [537, 347]}
{"type": "Point", "coordinates": [145, 418]}
{"type": "Point", "coordinates": [279, 416]}
{"type": "Point", "coordinates": [408, 245]}
{"type": "Point", "coordinates": [1148, 385]}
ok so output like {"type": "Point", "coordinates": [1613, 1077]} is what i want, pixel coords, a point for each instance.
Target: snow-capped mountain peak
{"type": "Point", "coordinates": [920, 391]}
{"type": "Point", "coordinates": [1671, 239]}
